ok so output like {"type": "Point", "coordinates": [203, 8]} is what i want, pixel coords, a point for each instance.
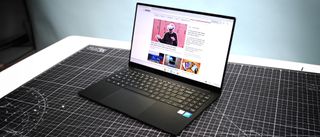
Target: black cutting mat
{"type": "Point", "coordinates": [256, 101]}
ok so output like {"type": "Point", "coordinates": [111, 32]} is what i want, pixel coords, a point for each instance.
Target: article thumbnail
{"type": "Point", "coordinates": [167, 32]}
{"type": "Point", "coordinates": [156, 57]}
{"type": "Point", "coordinates": [172, 61]}
{"type": "Point", "coordinates": [190, 66]}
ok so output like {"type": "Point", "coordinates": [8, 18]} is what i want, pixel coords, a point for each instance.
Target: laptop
{"type": "Point", "coordinates": [176, 67]}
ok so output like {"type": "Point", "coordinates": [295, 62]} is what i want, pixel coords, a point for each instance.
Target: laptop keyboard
{"type": "Point", "coordinates": [170, 93]}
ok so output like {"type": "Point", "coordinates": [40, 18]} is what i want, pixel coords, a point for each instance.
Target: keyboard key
{"type": "Point", "coordinates": [186, 95]}
{"type": "Point", "coordinates": [184, 103]}
{"type": "Point", "coordinates": [180, 97]}
{"type": "Point", "coordinates": [175, 104]}
{"type": "Point", "coordinates": [175, 91]}
{"type": "Point", "coordinates": [168, 101]}
{"type": "Point", "coordinates": [190, 105]}
{"type": "Point", "coordinates": [188, 91]}
{"type": "Point", "coordinates": [192, 110]}
{"type": "Point", "coordinates": [199, 103]}
{"type": "Point", "coordinates": [196, 94]}
{"type": "Point", "coordinates": [175, 99]}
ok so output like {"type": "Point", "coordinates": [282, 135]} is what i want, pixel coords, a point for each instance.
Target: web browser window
{"type": "Point", "coordinates": [190, 45]}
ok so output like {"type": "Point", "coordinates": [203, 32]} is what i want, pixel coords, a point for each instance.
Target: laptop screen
{"type": "Point", "coordinates": [188, 44]}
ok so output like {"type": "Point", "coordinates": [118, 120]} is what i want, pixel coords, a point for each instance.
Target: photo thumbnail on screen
{"type": "Point", "coordinates": [190, 66]}
{"type": "Point", "coordinates": [172, 61]}
{"type": "Point", "coordinates": [168, 32]}
{"type": "Point", "coordinates": [156, 57]}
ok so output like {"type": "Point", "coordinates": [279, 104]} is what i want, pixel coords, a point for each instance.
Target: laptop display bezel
{"type": "Point", "coordinates": [176, 77]}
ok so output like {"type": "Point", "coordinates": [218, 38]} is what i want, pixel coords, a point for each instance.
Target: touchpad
{"type": "Point", "coordinates": [127, 101]}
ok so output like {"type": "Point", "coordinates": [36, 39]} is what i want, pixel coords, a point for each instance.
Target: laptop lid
{"type": "Point", "coordinates": [188, 46]}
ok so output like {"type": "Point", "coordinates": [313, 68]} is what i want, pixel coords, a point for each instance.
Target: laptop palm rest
{"type": "Point", "coordinates": [126, 101]}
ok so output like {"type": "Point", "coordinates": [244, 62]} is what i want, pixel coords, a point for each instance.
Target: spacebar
{"type": "Point", "coordinates": [138, 90]}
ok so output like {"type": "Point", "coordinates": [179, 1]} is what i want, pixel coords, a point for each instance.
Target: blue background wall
{"type": "Point", "coordinates": [277, 29]}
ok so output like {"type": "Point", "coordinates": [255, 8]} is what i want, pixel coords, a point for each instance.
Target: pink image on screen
{"type": "Point", "coordinates": [160, 28]}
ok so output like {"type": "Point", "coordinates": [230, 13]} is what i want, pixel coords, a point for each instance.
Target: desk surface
{"type": "Point", "coordinates": [250, 105]}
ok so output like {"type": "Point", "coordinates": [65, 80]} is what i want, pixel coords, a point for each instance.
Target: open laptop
{"type": "Point", "coordinates": [176, 67]}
